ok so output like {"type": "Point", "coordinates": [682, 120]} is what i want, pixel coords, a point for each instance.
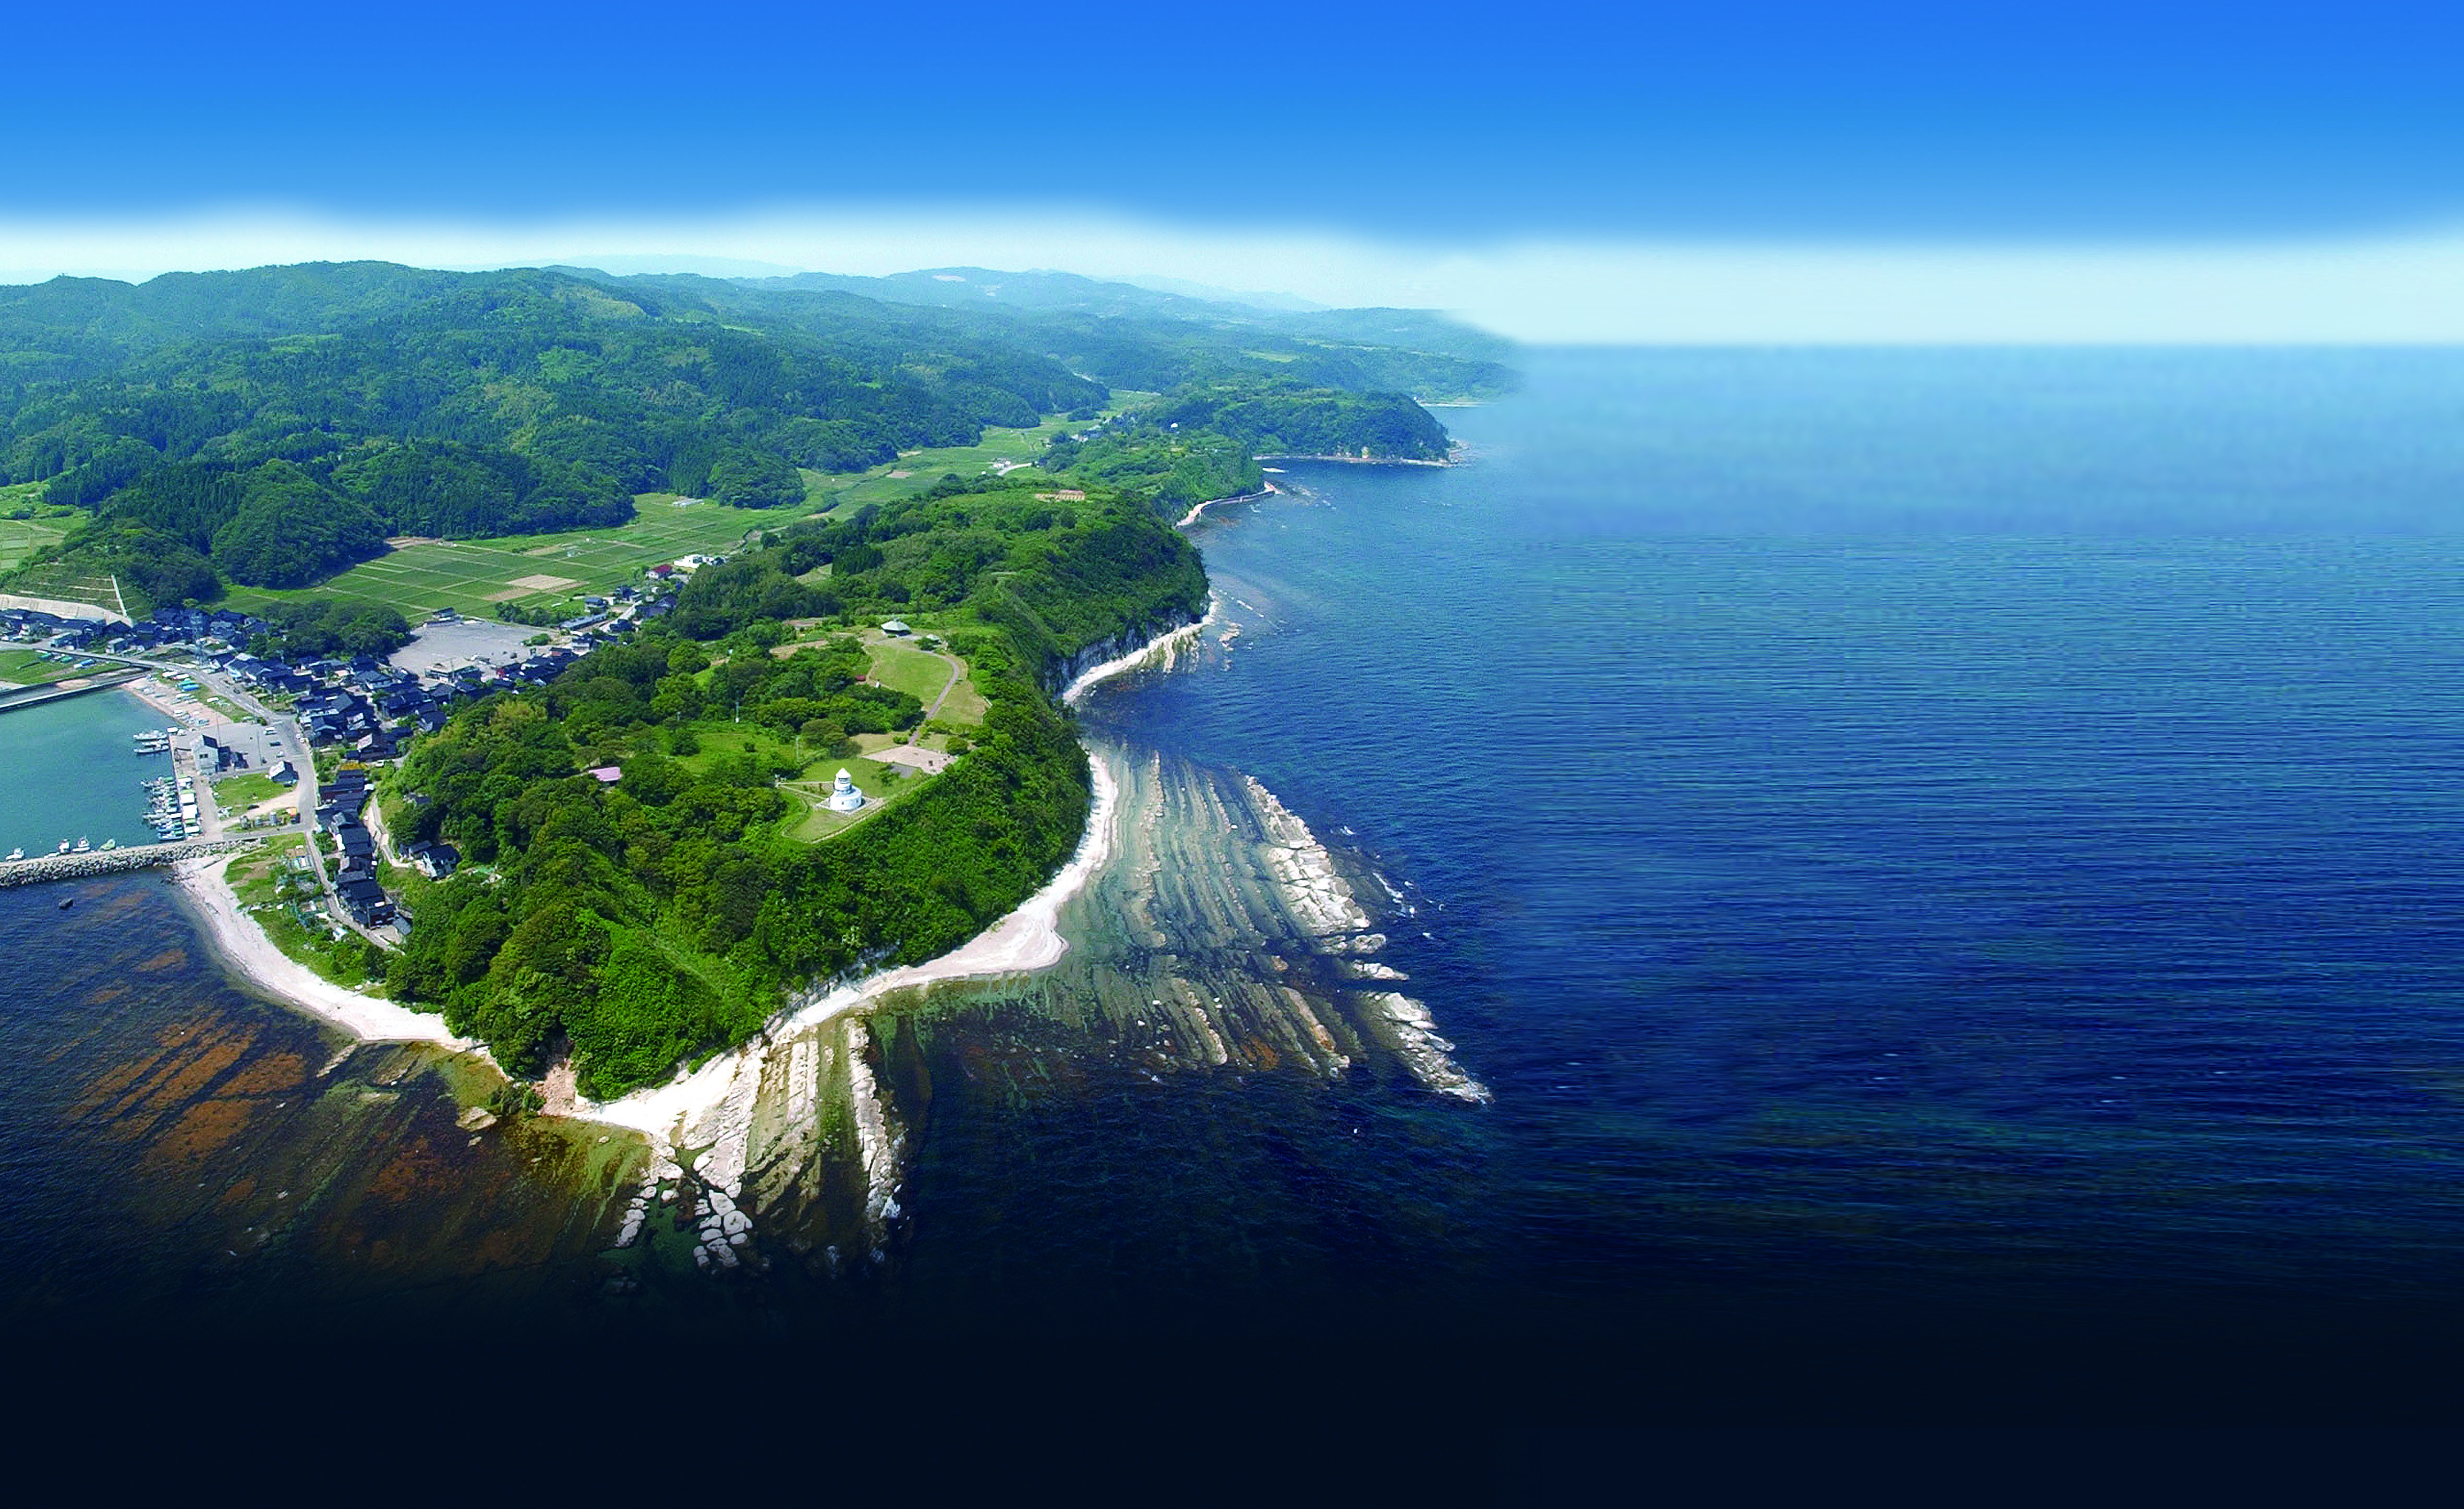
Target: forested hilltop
{"type": "Point", "coordinates": [270, 428]}
{"type": "Point", "coordinates": [669, 913]}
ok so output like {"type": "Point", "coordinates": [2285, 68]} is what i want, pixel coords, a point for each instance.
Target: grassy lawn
{"type": "Point", "coordinates": [722, 739]}
{"type": "Point", "coordinates": [903, 668]}
{"type": "Point", "coordinates": [881, 784]}
{"type": "Point", "coordinates": [26, 668]}
{"type": "Point", "coordinates": [473, 575]}
{"type": "Point", "coordinates": [246, 790]}
{"type": "Point", "coordinates": [269, 887]}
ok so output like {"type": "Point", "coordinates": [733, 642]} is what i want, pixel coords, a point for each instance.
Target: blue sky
{"type": "Point", "coordinates": [1500, 142]}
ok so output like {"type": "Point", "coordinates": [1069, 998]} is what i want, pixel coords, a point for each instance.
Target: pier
{"type": "Point", "coordinates": [111, 861]}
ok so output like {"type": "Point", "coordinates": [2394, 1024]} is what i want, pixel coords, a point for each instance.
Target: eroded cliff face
{"type": "Point", "coordinates": [1069, 668]}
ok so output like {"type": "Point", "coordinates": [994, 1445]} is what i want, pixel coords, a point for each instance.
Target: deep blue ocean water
{"type": "Point", "coordinates": [1966, 823]}
{"type": "Point", "coordinates": [1939, 847]}
{"type": "Point", "coordinates": [1947, 863]}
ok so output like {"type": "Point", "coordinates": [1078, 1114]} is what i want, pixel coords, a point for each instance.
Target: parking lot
{"type": "Point", "coordinates": [472, 642]}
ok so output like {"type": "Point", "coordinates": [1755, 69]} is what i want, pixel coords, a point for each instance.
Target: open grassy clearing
{"type": "Point", "coordinates": [881, 784]}
{"type": "Point", "coordinates": [903, 668]}
{"type": "Point", "coordinates": [247, 789]}
{"type": "Point", "coordinates": [844, 492]}
{"type": "Point", "coordinates": [964, 707]}
{"type": "Point", "coordinates": [810, 821]}
{"type": "Point", "coordinates": [26, 668]}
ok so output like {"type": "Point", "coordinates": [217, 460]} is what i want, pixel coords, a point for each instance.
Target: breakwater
{"type": "Point", "coordinates": [109, 862]}
{"type": "Point", "coordinates": [36, 696]}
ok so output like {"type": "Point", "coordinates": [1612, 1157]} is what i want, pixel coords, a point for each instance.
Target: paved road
{"type": "Point", "coordinates": [292, 742]}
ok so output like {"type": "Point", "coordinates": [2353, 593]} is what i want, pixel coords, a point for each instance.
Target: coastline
{"type": "Point", "coordinates": [1025, 939]}
{"type": "Point", "coordinates": [1364, 461]}
{"type": "Point", "coordinates": [144, 692]}
{"type": "Point", "coordinates": [243, 949]}
{"type": "Point", "coordinates": [1191, 518]}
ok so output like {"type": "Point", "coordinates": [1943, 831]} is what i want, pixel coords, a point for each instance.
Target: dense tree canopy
{"type": "Point", "coordinates": [667, 914]}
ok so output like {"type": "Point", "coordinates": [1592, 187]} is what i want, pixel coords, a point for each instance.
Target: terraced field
{"type": "Point", "coordinates": [473, 575]}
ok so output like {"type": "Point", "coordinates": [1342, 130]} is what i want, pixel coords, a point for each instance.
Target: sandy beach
{"type": "Point", "coordinates": [149, 691]}
{"type": "Point", "coordinates": [243, 945]}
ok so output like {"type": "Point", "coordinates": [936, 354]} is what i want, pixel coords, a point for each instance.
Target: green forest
{"type": "Point", "coordinates": [270, 429]}
{"type": "Point", "coordinates": [669, 914]}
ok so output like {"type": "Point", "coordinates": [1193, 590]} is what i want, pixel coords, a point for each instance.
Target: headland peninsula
{"type": "Point", "coordinates": [653, 664]}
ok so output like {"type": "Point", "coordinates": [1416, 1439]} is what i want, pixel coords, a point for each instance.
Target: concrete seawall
{"type": "Point", "coordinates": [111, 861]}
{"type": "Point", "coordinates": [54, 691]}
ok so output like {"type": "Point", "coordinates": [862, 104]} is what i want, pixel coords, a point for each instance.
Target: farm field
{"type": "Point", "coordinates": [556, 571]}
{"type": "Point", "coordinates": [473, 575]}
{"type": "Point", "coordinates": [847, 492]}
{"type": "Point", "coordinates": [21, 538]}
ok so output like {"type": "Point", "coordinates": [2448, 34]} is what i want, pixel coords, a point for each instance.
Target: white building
{"type": "Point", "coordinates": [845, 795]}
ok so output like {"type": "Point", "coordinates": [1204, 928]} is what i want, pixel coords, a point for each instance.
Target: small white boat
{"type": "Point", "coordinates": [63, 848]}
{"type": "Point", "coordinates": [14, 855]}
{"type": "Point", "coordinates": [83, 847]}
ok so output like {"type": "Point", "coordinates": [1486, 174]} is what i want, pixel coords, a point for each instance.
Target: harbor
{"type": "Point", "coordinates": [99, 771]}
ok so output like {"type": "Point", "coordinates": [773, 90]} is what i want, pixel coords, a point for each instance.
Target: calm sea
{"type": "Point", "coordinates": [1946, 864]}
{"type": "Point", "coordinates": [67, 772]}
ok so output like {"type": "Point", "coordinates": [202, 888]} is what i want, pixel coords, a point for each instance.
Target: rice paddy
{"type": "Point", "coordinates": [473, 575]}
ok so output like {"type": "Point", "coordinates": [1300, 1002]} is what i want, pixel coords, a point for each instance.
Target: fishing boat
{"type": "Point", "coordinates": [108, 844]}
{"type": "Point", "coordinates": [83, 847]}
{"type": "Point", "coordinates": [63, 848]}
{"type": "Point", "coordinates": [14, 855]}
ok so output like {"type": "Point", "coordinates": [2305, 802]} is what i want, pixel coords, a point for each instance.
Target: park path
{"type": "Point", "coordinates": [952, 685]}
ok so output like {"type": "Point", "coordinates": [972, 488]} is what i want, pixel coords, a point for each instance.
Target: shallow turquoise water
{"type": "Point", "coordinates": [66, 771]}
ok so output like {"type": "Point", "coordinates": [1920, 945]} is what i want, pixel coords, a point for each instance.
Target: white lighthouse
{"type": "Point", "coordinates": [845, 795]}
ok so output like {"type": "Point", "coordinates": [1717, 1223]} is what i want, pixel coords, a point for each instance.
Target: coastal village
{"type": "Point", "coordinates": [344, 716]}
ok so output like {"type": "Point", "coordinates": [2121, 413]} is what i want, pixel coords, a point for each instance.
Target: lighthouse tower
{"type": "Point", "coordinates": [845, 795]}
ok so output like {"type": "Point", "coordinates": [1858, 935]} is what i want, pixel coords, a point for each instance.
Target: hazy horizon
{"type": "Point", "coordinates": [1778, 172]}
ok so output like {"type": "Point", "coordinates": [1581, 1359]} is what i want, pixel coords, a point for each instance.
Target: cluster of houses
{"type": "Point", "coordinates": [49, 630]}
{"type": "Point", "coordinates": [339, 806]}
{"type": "Point", "coordinates": [355, 879]}
{"type": "Point", "coordinates": [362, 706]}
